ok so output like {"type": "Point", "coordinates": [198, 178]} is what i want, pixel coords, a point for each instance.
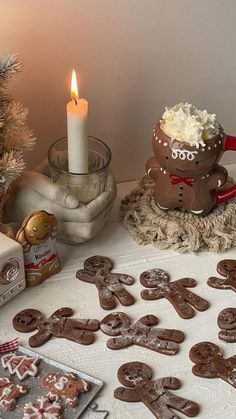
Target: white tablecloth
{"type": "Point", "coordinates": [216, 398]}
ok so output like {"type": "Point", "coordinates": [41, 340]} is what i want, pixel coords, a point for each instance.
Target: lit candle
{"type": "Point", "coordinates": [77, 114]}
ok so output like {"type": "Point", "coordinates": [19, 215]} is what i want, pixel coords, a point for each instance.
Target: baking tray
{"type": "Point", "coordinates": [35, 390]}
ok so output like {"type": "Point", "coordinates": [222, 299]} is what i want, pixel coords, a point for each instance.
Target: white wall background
{"type": "Point", "coordinates": [133, 57]}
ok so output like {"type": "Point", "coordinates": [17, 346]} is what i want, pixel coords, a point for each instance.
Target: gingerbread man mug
{"type": "Point", "coordinates": [188, 144]}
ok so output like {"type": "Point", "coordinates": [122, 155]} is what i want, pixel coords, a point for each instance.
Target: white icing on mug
{"type": "Point", "coordinates": [183, 154]}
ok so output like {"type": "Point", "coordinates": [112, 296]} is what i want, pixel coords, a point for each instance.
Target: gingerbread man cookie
{"type": "Point", "coordinates": [176, 292]}
{"type": "Point", "coordinates": [209, 363]}
{"type": "Point", "coordinates": [227, 323]}
{"type": "Point", "coordinates": [67, 387]}
{"type": "Point", "coordinates": [226, 268]}
{"type": "Point", "coordinates": [97, 270]}
{"type": "Point", "coordinates": [43, 408]}
{"type": "Point", "coordinates": [154, 394]}
{"type": "Point", "coordinates": [141, 333]}
{"type": "Point", "coordinates": [23, 365]}
{"type": "Point", "coordinates": [9, 393]}
{"type": "Point", "coordinates": [57, 325]}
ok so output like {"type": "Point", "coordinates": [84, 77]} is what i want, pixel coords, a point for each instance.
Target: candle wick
{"type": "Point", "coordinates": [75, 100]}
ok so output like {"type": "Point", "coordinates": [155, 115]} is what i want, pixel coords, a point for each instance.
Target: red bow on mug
{"type": "Point", "coordinates": [178, 179]}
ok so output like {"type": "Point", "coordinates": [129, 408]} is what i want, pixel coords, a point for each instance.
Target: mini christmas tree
{"type": "Point", "coordinates": [15, 136]}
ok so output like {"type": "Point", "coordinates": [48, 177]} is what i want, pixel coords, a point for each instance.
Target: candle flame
{"type": "Point", "coordinates": [74, 87]}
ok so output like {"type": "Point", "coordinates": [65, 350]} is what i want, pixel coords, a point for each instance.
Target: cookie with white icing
{"type": "Point", "coordinates": [43, 408]}
{"type": "Point", "coordinates": [66, 387]}
{"type": "Point", "coordinates": [21, 365]}
{"type": "Point", "coordinates": [10, 393]}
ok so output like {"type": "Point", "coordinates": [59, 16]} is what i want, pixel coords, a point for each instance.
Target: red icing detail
{"type": "Point", "coordinates": [230, 143]}
{"type": "Point", "coordinates": [41, 411]}
{"type": "Point", "coordinates": [226, 194]}
{"type": "Point", "coordinates": [179, 179]}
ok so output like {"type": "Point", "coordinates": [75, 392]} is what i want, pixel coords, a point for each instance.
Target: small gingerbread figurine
{"type": "Point", "coordinates": [57, 325]}
{"type": "Point", "coordinates": [155, 394]}
{"type": "Point", "coordinates": [37, 235]}
{"type": "Point", "coordinates": [141, 333]}
{"type": "Point", "coordinates": [209, 363]}
{"type": "Point", "coordinates": [188, 144]}
{"type": "Point", "coordinates": [226, 268]}
{"type": "Point", "coordinates": [227, 323]}
{"type": "Point", "coordinates": [176, 292]}
{"type": "Point", "coordinates": [97, 271]}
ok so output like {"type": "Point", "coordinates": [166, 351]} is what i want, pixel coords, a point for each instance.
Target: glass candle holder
{"type": "Point", "coordinates": [85, 186]}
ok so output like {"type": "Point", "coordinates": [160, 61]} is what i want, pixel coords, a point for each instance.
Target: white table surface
{"type": "Point", "coordinates": [216, 398]}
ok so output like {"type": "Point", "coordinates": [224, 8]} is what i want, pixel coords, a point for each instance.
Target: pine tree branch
{"type": "Point", "coordinates": [9, 65]}
{"type": "Point", "coordinates": [12, 163]}
{"type": "Point", "coordinates": [15, 135]}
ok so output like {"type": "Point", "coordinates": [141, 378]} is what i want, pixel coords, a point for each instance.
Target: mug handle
{"type": "Point", "coordinates": [228, 193]}
{"type": "Point", "coordinates": [230, 143]}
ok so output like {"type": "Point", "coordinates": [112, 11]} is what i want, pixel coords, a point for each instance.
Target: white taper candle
{"type": "Point", "coordinates": [77, 116]}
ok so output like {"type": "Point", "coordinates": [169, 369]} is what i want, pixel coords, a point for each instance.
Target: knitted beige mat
{"type": "Point", "coordinates": [181, 231]}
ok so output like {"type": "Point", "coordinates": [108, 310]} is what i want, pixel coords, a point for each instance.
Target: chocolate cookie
{"type": "Point", "coordinates": [227, 323]}
{"type": "Point", "coordinates": [10, 393]}
{"type": "Point", "coordinates": [154, 394]}
{"type": "Point", "coordinates": [57, 325]}
{"type": "Point", "coordinates": [176, 292]}
{"type": "Point", "coordinates": [141, 334]}
{"type": "Point", "coordinates": [209, 363]}
{"type": "Point", "coordinates": [226, 268]}
{"type": "Point", "coordinates": [97, 270]}
{"type": "Point", "coordinates": [66, 387]}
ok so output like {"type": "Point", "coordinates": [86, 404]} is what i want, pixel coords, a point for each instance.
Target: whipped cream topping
{"type": "Point", "coordinates": [184, 122]}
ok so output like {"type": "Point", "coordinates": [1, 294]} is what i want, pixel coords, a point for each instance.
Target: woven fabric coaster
{"type": "Point", "coordinates": [174, 229]}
